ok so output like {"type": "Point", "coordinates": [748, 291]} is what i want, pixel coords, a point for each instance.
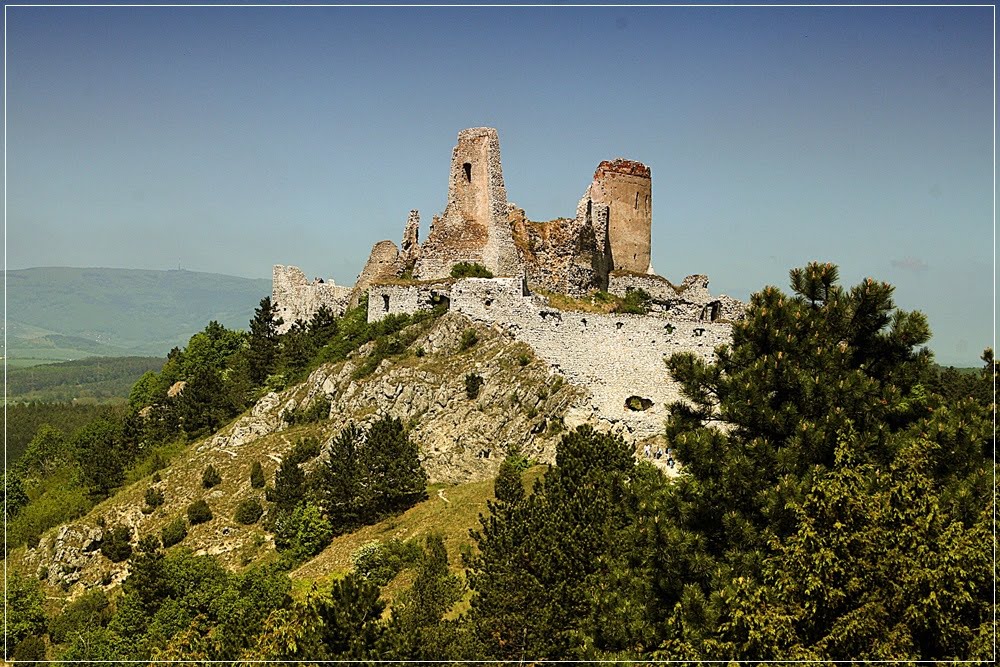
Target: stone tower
{"type": "Point", "coordinates": [625, 187]}
{"type": "Point", "coordinates": [474, 226]}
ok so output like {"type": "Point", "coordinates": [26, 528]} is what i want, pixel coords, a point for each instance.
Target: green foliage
{"type": "Point", "coordinates": [153, 497]}
{"type": "Point", "coordinates": [470, 270]}
{"type": "Point", "coordinates": [149, 544]}
{"type": "Point", "coordinates": [370, 475]}
{"type": "Point", "coordinates": [636, 301]}
{"type": "Point", "coordinates": [248, 511]}
{"type": "Point", "coordinates": [30, 648]}
{"type": "Point", "coordinates": [289, 484]}
{"type": "Point", "coordinates": [198, 512]}
{"type": "Point", "coordinates": [305, 449]}
{"type": "Point", "coordinates": [317, 410]}
{"type": "Point", "coordinates": [25, 602]}
{"type": "Point", "coordinates": [174, 532]}
{"type": "Point", "coordinates": [210, 477]}
{"type": "Point", "coordinates": [116, 545]}
{"type": "Point", "coordinates": [473, 383]}
{"type": "Point", "coordinates": [523, 359]}
{"type": "Point", "coordinates": [92, 609]}
{"type": "Point", "coordinates": [304, 531]}
{"type": "Point", "coordinates": [262, 354]}
{"type": "Point", "coordinates": [25, 419]}
{"type": "Point", "coordinates": [468, 340]}
{"type": "Point", "coordinates": [91, 380]}
{"type": "Point", "coordinates": [256, 476]}
{"type": "Point", "coordinates": [540, 558]}
{"type": "Point", "coordinates": [379, 562]}
{"type": "Point", "coordinates": [509, 487]}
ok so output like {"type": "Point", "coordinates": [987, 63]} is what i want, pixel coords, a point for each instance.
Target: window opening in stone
{"type": "Point", "coordinates": [637, 201]}
{"type": "Point", "coordinates": [385, 303]}
{"type": "Point", "coordinates": [716, 310]}
{"type": "Point", "coordinates": [489, 302]}
{"type": "Point", "coordinates": [699, 331]}
{"type": "Point", "coordinates": [619, 325]}
{"type": "Point", "coordinates": [468, 171]}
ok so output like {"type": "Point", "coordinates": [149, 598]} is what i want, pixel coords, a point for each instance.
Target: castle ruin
{"type": "Point", "coordinates": [605, 246]}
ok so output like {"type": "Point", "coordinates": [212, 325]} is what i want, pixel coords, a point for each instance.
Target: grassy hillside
{"type": "Point", "coordinates": [62, 313]}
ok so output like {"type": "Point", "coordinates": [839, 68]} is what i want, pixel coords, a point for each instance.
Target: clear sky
{"type": "Point", "coordinates": [229, 139]}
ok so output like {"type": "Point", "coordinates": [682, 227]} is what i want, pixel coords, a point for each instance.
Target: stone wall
{"type": "Point", "coordinates": [386, 299]}
{"type": "Point", "coordinates": [296, 298]}
{"type": "Point", "coordinates": [613, 356]}
{"type": "Point", "coordinates": [382, 265]}
{"type": "Point", "coordinates": [474, 226]}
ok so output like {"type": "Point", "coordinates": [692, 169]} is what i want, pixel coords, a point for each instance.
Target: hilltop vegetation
{"type": "Point", "coordinates": [843, 513]}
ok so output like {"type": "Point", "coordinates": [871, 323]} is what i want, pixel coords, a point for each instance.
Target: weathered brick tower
{"type": "Point", "coordinates": [625, 187]}
{"type": "Point", "coordinates": [474, 226]}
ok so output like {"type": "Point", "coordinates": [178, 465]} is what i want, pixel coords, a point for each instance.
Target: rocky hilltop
{"type": "Point", "coordinates": [522, 403]}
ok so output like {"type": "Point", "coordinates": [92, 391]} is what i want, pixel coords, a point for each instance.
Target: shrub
{"type": "Point", "coordinates": [92, 609]}
{"type": "Point", "coordinates": [420, 351]}
{"type": "Point", "coordinates": [256, 476]}
{"type": "Point", "coordinates": [154, 497]}
{"type": "Point", "coordinates": [636, 302]}
{"type": "Point", "coordinates": [174, 532]}
{"type": "Point", "coordinates": [473, 383]}
{"type": "Point", "coordinates": [304, 531]}
{"type": "Point", "coordinates": [116, 545]}
{"type": "Point", "coordinates": [470, 270]}
{"type": "Point", "coordinates": [29, 649]}
{"type": "Point", "coordinates": [210, 477]}
{"type": "Point", "coordinates": [149, 544]}
{"type": "Point", "coordinates": [304, 450]}
{"type": "Point", "coordinates": [317, 410]}
{"type": "Point", "coordinates": [248, 511]}
{"type": "Point", "coordinates": [199, 512]}
{"type": "Point", "coordinates": [523, 359]}
{"type": "Point", "coordinates": [469, 339]}
{"type": "Point", "coordinates": [379, 562]}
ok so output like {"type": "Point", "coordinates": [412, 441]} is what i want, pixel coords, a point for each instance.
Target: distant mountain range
{"type": "Point", "coordinates": [61, 313]}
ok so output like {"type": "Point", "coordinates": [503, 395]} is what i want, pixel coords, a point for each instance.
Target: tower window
{"type": "Point", "coordinates": [468, 171]}
{"type": "Point", "coordinates": [637, 201]}
{"type": "Point", "coordinates": [385, 303]}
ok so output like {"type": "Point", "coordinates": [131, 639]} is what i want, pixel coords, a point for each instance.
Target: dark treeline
{"type": "Point", "coordinates": [96, 379]}
{"type": "Point", "coordinates": [844, 512]}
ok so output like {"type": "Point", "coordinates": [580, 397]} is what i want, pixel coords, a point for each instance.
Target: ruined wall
{"type": "Point", "coordinates": [561, 255]}
{"type": "Point", "coordinates": [613, 356]}
{"type": "Point", "coordinates": [690, 301]}
{"type": "Point", "coordinates": [474, 226]}
{"type": "Point", "coordinates": [381, 265]}
{"type": "Point", "coordinates": [296, 298]}
{"type": "Point", "coordinates": [386, 299]}
{"type": "Point", "coordinates": [409, 249]}
{"type": "Point", "coordinates": [625, 187]}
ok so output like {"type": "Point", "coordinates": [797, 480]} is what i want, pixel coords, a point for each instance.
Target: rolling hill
{"type": "Point", "coordinates": [63, 313]}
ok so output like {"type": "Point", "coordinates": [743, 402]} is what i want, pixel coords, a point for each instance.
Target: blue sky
{"type": "Point", "coordinates": [230, 139]}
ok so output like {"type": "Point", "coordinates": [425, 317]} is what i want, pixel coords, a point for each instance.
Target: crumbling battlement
{"type": "Point", "coordinates": [296, 298]}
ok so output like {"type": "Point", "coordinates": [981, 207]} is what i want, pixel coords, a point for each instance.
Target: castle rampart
{"type": "Point", "coordinates": [614, 356]}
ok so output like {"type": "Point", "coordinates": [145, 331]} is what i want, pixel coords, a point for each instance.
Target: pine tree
{"type": "Point", "coordinates": [262, 354]}
{"type": "Point", "coordinates": [395, 478]}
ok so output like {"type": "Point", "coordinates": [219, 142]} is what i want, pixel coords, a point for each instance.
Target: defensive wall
{"type": "Point", "coordinates": [297, 298]}
{"type": "Point", "coordinates": [613, 356]}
